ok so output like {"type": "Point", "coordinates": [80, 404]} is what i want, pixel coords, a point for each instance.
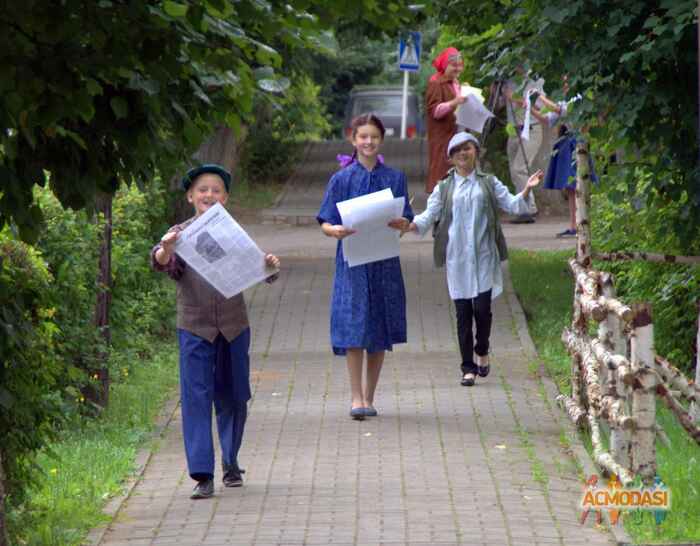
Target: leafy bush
{"type": "Point", "coordinates": [621, 221]}
{"type": "Point", "coordinates": [29, 402]}
{"type": "Point", "coordinates": [49, 338]}
{"type": "Point", "coordinates": [274, 142]}
{"type": "Point", "coordinates": [138, 293]}
{"type": "Point", "coordinates": [69, 243]}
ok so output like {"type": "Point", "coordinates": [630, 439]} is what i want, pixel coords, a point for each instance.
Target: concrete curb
{"type": "Point", "coordinates": [143, 457]}
{"type": "Point", "coordinates": [578, 451]}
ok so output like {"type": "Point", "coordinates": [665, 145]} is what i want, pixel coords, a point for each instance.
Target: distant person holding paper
{"type": "Point", "coordinates": [463, 209]}
{"type": "Point", "coordinates": [214, 337]}
{"type": "Point", "coordinates": [368, 306]}
{"type": "Point", "coordinates": [561, 172]}
{"type": "Point", "coordinates": [442, 97]}
{"type": "Point", "coordinates": [528, 147]}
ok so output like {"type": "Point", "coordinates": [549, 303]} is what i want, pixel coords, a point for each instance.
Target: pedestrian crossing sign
{"type": "Point", "coordinates": [409, 52]}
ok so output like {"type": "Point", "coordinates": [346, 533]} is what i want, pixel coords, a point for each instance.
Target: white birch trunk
{"type": "Point", "coordinates": [587, 280]}
{"type": "Point", "coordinates": [610, 333]}
{"type": "Point", "coordinates": [576, 379]}
{"type": "Point", "coordinates": [612, 361]}
{"type": "Point", "coordinates": [695, 406]}
{"type": "Point", "coordinates": [583, 202]}
{"type": "Point", "coordinates": [603, 458]}
{"type": "Point", "coordinates": [677, 409]}
{"type": "Point", "coordinates": [575, 412]}
{"type": "Point", "coordinates": [579, 345]}
{"type": "Point", "coordinates": [676, 381]}
{"type": "Point", "coordinates": [643, 395]}
{"type": "Point", "coordinates": [593, 308]}
{"type": "Point", "coordinates": [646, 257]}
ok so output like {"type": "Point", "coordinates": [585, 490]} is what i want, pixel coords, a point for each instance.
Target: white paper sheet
{"type": "Point", "coordinates": [218, 248]}
{"type": "Point", "coordinates": [369, 215]}
{"type": "Point", "coordinates": [525, 133]}
{"type": "Point", "coordinates": [472, 114]}
{"type": "Point", "coordinates": [469, 90]}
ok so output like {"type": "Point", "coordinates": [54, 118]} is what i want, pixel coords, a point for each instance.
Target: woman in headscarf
{"type": "Point", "coordinates": [441, 100]}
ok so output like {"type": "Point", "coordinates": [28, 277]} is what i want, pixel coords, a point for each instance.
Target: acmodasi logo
{"type": "Point", "coordinates": [614, 497]}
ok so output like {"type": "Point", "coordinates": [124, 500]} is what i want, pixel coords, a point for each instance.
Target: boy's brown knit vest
{"type": "Point", "coordinates": [204, 312]}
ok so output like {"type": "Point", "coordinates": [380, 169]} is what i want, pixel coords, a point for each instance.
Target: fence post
{"type": "Point", "coordinates": [643, 394]}
{"type": "Point", "coordinates": [583, 203]}
{"type": "Point", "coordinates": [695, 406]}
{"type": "Point", "coordinates": [610, 333]}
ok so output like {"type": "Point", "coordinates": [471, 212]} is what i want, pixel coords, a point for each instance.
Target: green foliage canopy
{"type": "Point", "coordinates": [635, 63]}
{"type": "Point", "coordinates": [94, 92]}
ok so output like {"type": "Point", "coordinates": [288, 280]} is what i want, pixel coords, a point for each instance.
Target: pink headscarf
{"type": "Point", "coordinates": [441, 61]}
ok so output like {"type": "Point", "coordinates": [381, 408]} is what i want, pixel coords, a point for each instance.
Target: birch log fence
{"type": "Point", "coordinates": [616, 377]}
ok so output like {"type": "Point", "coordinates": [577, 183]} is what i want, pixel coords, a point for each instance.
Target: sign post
{"type": "Point", "coordinates": [409, 61]}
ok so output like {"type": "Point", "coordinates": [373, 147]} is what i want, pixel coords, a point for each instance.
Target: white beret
{"type": "Point", "coordinates": [461, 138]}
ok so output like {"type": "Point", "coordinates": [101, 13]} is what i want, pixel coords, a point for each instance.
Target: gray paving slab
{"type": "Point", "coordinates": [441, 465]}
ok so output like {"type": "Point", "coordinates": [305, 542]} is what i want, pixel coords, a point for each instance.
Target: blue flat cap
{"type": "Point", "coordinates": [211, 168]}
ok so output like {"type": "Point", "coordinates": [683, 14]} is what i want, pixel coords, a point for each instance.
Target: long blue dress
{"type": "Point", "coordinates": [561, 172]}
{"type": "Point", "coordinates": [368, 307]}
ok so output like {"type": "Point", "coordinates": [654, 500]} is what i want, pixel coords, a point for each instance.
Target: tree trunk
{"type": "Point", "coordinates": [583, 203]}
{"type": "Point", "coordinates": [222, 148]}
{"type": "Point", "coordinates": [646, 257]}
{"type": "Point", "coordinates": [99, 392]}
{"type": "Point", "coordinates": [695, 408]}
{"type": "Point", "coordinates": [610, 333]}
{"type": "Point", "coordinates": [4, 540]}
{"type": "Point", "coordinates": [643, 395]}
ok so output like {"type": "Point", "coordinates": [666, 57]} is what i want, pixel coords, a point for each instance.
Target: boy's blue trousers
{"type": "Point", "coordinates": [215, 373]}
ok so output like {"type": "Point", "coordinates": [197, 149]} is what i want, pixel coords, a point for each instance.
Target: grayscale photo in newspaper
{"type": "Point", "coordinates": [218, 248]}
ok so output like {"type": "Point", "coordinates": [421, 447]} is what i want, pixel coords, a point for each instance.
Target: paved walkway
{"type": "Point", "coordinates": [441, 465]}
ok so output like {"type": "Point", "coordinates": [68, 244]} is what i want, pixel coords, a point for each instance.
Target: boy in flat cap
{"type": "Point", "coordinates": [214, 338]}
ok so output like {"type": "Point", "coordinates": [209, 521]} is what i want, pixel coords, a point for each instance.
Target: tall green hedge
{"type": "Point", "coordinates": [30, 405]}
{"type": "Point", "coordinates": [47, 297]}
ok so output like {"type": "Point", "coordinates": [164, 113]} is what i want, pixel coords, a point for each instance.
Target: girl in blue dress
{"type": "Point", "coordinates": [368, 306]}
{"type": "Point", "coordinates": [561, 172]}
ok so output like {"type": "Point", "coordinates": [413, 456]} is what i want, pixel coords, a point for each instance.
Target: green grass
{"type": "Point", "coordinates": [547, 304]}
{"type": "Point", "coordinates": [92, 460]}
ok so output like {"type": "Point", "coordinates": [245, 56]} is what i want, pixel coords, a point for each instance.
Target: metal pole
{"type": "Point", "coordinates": [698, 16]}
{"type": "Point", "coordinates": [404, 103]}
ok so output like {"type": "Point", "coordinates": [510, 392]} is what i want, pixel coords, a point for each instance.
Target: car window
{"type": "Point", "coordinates": [382, 106]}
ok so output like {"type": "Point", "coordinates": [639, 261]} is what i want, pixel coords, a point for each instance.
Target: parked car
{"type": "Point", "coordinates": [385, 103]}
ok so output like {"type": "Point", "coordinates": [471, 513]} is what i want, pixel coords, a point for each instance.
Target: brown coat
{"type": "Point", "coordinates": [440, 131]}
{"type": "Point", "coordinates": [201, 309]}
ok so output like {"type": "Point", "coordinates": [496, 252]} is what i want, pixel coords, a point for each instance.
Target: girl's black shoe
{"type": "Point", "coordinates": [468, 380]}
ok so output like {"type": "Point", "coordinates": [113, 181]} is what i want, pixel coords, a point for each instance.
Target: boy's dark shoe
{"type": "Point", "coordinates": [233, 476]}
{"type": "Point", "coordinates": [203, 490]}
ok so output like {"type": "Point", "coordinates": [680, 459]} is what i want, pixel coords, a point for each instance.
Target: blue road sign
{"type": "Point", "coordinates": [409, 52]}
